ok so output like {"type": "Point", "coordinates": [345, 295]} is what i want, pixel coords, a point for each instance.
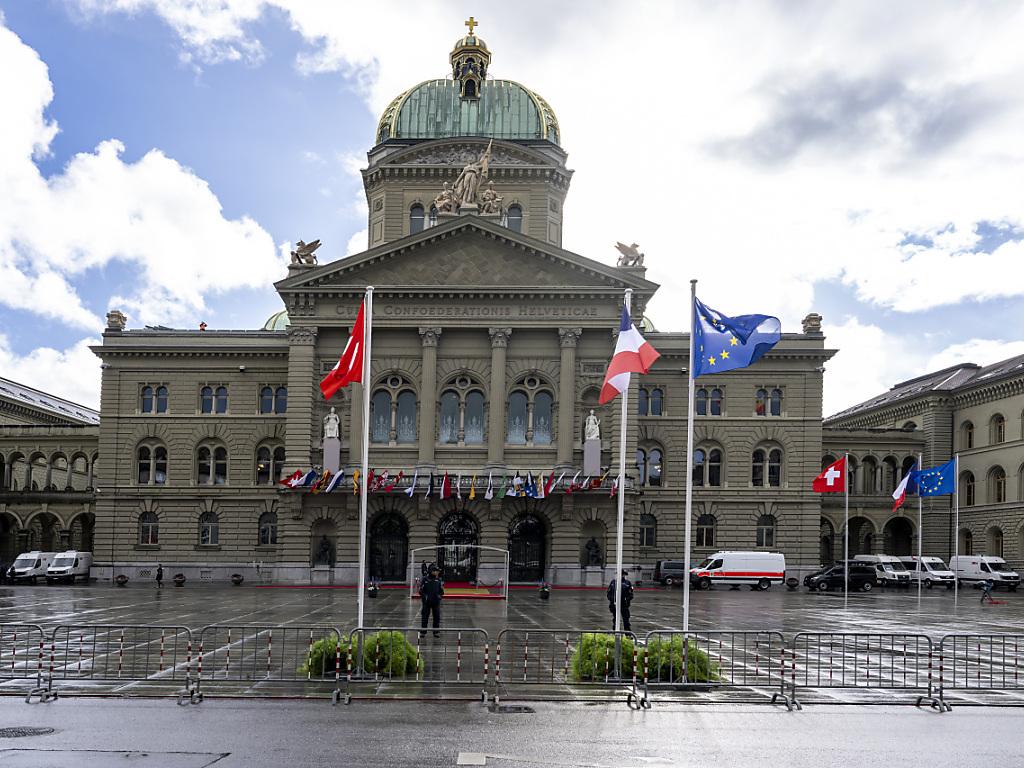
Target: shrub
{"type": "Point", "coordinates": [595, 651]}
{"type": "Point", "coordinates": [665, 662]}
{"type": "Point", "coordinates": [389, 653]}
{"type": "Point", "coordinates": [321, 657]}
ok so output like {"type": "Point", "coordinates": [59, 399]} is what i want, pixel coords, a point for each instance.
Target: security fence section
{"type": "Point", "coordinates": [396, 662]}
{"type": "Point", "coordinates": [464, 663]}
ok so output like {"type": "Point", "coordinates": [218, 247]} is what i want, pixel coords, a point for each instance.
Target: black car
{"type": "Point", "coordinates": [862, 577]}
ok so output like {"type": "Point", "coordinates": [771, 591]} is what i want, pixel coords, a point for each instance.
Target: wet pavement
{"type": "Point", "coordinates": [397, 734]}
{"type": "Point", "coordinates": [780, 610]}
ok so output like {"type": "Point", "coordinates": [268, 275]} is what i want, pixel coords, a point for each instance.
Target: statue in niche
{"type": "Point", "coordinates": [467, 186]}
{"type": "Point", "coordinates": [490, 201]}
{"type": "Point", "coordinates": [592, 427]}
{"type": "Point", "coordinates": [325, 552]}
{"type": "Point", "coordinates": [331, 424]}
{"type": "Point", "coordinates": [445, 202]}
{"type": "Point", "coordinates": [593, 550]}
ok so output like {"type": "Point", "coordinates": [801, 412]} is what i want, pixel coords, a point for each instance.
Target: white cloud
{"type": "Point", "coordinates": [980, 351]}
{"type": "Point", "coordinates": [357, 243]}
{"type": "Point", "coordinates": [154, 215]}
{"type": "Point", "coordinates": [72, 373]}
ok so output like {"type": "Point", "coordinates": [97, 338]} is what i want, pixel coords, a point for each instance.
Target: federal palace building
{"type": "Point", "coordinates": [490, 345]}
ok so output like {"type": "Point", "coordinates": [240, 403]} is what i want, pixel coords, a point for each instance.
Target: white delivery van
{"type": "Point", "coordinates": [29, 566]}
{"type": "Point", "coordinates": [69, 566]}
{"type": "Point", "coordinates": [971, 569]}
{"type": "Point", "coordinates": [933, 571]}
{"type": "Point", "coordinates": [758, 569]}
{"type": "Point", "coordinates": [889, 569]}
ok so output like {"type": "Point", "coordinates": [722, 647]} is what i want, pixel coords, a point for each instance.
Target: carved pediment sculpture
{"type": "Point", "coordinates": [630, 255]}
{"type": "Point", "coordinates": [304, 253]}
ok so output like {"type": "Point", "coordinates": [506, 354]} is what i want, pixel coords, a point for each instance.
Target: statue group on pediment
{"type": "Point", "coordinates": [469, 189]}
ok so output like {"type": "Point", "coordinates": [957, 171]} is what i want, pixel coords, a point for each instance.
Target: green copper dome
{"type": "Point", "coordinates": [278, 321]}
{"type": "Point", "coordinates": [435, 110]}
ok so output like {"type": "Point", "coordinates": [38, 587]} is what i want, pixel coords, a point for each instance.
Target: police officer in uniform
{"type": "Point", "coordinates": [431, 592]}
{"type": "Point", "coordinates": [627, 598]}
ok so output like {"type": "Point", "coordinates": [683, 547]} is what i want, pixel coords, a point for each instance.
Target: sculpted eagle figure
{"type": "Point", "coordinates": [631, 256]}
{"type": "Point", "coordinates": [304, 252]}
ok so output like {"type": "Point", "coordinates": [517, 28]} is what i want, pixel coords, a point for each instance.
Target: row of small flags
{"type": "Point", "coordinates": [445, 487]}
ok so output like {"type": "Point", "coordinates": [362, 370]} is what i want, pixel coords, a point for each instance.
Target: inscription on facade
{"type": "Point", "coordinates": [480, 311]}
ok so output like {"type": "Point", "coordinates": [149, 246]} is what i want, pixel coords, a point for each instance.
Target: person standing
{"type": "Point", "coordinates": [627, 598]}
{"type": "Point", "coordinates": [159, 576]}
{"type": "Point", "coordinates": [431, 592]}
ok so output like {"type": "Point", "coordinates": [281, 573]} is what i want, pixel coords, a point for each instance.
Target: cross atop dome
{"type": "Point", "coordinates": [471, 23]}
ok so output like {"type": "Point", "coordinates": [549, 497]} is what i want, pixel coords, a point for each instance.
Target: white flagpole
{"type": "Point", "coordinates": [368, 334]}
{"type": "Point", "coordinates": [920, 534]}
{"type": "Point", "coordinates": [689, 457]}
{"type": "Point", "coordinates": [628, 300]}
{"type": "Point", "coordinates": [956, 524]}
{"type": "Point", "coordinates": [846, 531]}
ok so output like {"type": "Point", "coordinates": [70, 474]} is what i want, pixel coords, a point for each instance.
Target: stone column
{"type": "Point", "coordinates": [496, 406]}
{"type": "Point", "coordinates": [299, 437]}
{"type": "Point", "coordinates": [568, 339]}
{"type": "Point", "coordinates": [428, 395]}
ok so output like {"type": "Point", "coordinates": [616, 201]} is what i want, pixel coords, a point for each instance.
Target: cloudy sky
{"type": "Point", "coordinates": [862, 160]}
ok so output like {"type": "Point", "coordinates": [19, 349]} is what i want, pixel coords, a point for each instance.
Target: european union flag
{"type": "Point", "coordinates": [727, 343]}
{"type": "Point", "coordinates": [935, 481]}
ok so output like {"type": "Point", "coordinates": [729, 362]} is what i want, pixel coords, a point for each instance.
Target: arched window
{"type": "Point", "coordinates": [449, 417]}
{"type": "Point", "coordinates": [542, 406]}
{"type": "Point", "coordinates": [151, 464]}
{"type": "Point", "coordinates": [997, 429]}
{"type": "Point", "coordinates": [269, 464]}
{"type": "Point", "coordinates": [994, 541]}
{"type": "Point", "coordinates": [161, 399]}
{"type": "Point", "coordinates": [966, 436]}
{"type": "Point", "coordinates": [405, 417]}
{"type": "Point", "coordinates": [716, 402]}
{"type": "Point", "coordinates": [766, 467]}
{"type": "Point", "coordinates": [209, 529]}
{"type": "Point", "coordinates": [642, 402]}
{"type": "Point", "coordinates": [432, 221]}
{"type": "Point", "coordinates": [147, 400]}
{"type": "Point", "coordinates": [776, 402]}
{"type": "Point", "coordinates": [707, 467]}
{"type": "Point", "coordinates": [648, 531]}
{"type": "Point", "coordinates": [206, 400]}
{"type": "Point", "coordinates": [967, 489]}
{"type": "Point", "coordinates": [281, 400]}
{"type": "Point", "coordinates": [714, 468]}
{"type": "Point", "coordinates": [268, 529]}
{"type": "Point", "coordinates": [699, 461]}
{"type": "Point", "coordinates": [220, 402]}
{"type": "Point", "coordinates": [267, 400]}
{"type": "Point", "coordinates": [211, 465]}
{"type": "Point", "coordinates": [415, 219]}
{"type": "Point", "coordinates": [514, 217]}
{"type": "Point", "coordinates": [1020, 496]}
{"type": "Point", "coordinates": [765, 531]}
{"type": "Point", "coordinates": [761, 402]}
{"type": "Point", "coordinates": [657, 396]}
{"type": "Point", "coordinates": [474, 418]}
{"type": "Point", "coordinates": [654, 467]}
{"type": "Point", "coordinates": [380, 416]}
{"type": "Point", "coordinates": [966, 543]}
{"type": "Point", "coordinates": [996, 485]}
{"type": "Point", "coordinates": [517, 417]}
{"type": "Point", "coordinates": [706, 525]}
{"type": "Point", "coordinates": [700, 402]}
{"type": "Point", "coordinates": [149, 529]}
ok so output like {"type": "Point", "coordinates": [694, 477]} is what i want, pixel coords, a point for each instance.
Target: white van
{"type": "Point", "coordinates": [68, 566]}
{"type": "Point", "coordinates": [971, 569]}
{"type": "Point", "coordinates": [758, 569]}
{"type": "Point", "coordinates": [889, 568]}
{"type": "Point", "coordinates": [29, 566]}
{"type": "Point", "coordinates": [933, 571]}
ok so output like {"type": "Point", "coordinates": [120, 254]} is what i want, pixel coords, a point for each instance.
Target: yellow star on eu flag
{"type": "Point", "coordinates": [724, 354]}
{"type": "Point", "coordinates": [733, 341]}
{"type": "Point", "coordinates": [711, 360]}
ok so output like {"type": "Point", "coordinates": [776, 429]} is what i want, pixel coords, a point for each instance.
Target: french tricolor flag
{"type": "Point", "coordinates": [632, 355]}
{"type": "Point", "coordinates": [900, 494]}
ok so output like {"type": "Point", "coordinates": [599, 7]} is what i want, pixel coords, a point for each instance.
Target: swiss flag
{"type": "Point", "coordinates": [350, 366]}
{"type": "Point", "coordinates": [832, 479]}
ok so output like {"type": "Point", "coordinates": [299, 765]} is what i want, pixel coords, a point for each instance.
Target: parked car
{"type": "Point", "coordinates": [863, 577]}
{"type": "Point", "coordinates": [809, 576]}
{"type": "Point", "coordinates": [933, 571]}
{"type": "Point", "coordinates": [29, 566]}
{"type": "Point", "coordinates": [69, 566]}
{"type": "Point", "coordinates": [759, 570]}
{"type": "Point", "coordinates": [889, 569]}
{"type": "Point", "coordinates": [669, 572]}
{"type": "Point", "coordinates": [972, 569]}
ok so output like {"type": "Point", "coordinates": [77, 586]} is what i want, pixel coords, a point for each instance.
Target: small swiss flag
{"type": "Point", "coordinates": [832, 479]}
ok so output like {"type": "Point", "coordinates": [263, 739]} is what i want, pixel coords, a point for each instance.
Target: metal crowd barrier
{"type": "Point", "coordinates": [21, 658]}
{"type": "Point", "coordinates": [96, 656]}
{"type": "Point", "coordinates": [238, 659]}
{"type": "Point", "coordinates": [557, 664]}
{"type": "Point", "coordinates": [980, 663]}
{"type": "Point", "coordinates": [714, 660]}
{"type": "Point", "coordinates": [894, 662]}
{"type": "Point", "coordinates": [403, 662]}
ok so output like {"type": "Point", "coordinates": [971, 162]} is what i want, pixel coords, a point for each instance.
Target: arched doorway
{"type": "Point", "coordinates": [43, 533]}
{"type": "Point", "coordinates": [899, 537]}
{"type": "Point", "coordinates": [81, 532]}
{"type": "Point", "coordinates": [862, 536]}
{"type": "Point", "coordinates": [389, 547]}
{"type": "Point", "coordinates": [8, 538]}
{"type": "Point", "coordinates": [828, 542]}
{"type": "Point", "coordinates": [527, 545]}
{"type": "Point", "coordinates": [457, 560]}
